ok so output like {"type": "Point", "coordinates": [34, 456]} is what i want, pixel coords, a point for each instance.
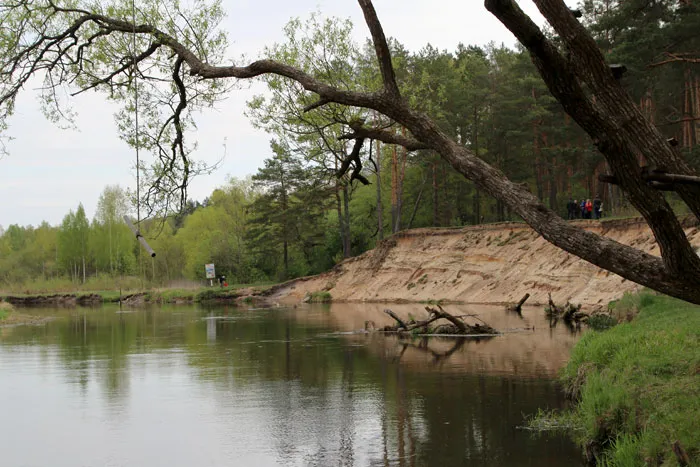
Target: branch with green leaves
{"type": "Point", "coordinates": [77, 47]}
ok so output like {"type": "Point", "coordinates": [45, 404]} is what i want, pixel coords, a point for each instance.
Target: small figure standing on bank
{"type": "Point", "coordinates": [597, 203]}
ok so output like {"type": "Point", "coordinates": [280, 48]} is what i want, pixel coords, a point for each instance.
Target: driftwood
{"type": "Point", "coordinates": [456, 324]}
{"type": "Point", "coordinates": [571, 314]}
{"type": "Point", "coordinates": [517, 307]}
{"type": "Point", "coordinates": [459, 324]}
{"type": "Point", "coordinates": [398, 320]}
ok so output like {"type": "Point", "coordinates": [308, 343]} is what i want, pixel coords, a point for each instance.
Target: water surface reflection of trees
{"type": "Point", "coordinates": [328, 399]}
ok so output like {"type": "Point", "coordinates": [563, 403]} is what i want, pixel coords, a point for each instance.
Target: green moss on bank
{"type": "Point", "coordinates": [638, 385]}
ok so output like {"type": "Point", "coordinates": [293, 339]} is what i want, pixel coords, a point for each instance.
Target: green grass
{"type": "Point", "coordinates": [5, 310]}
{"type": "Point", "coordinates": [638, 384]}
{"type": "Point", "coordinates": [321, 297]}
{"type": "Point", "coordinates": [157, 295]}
{"type": "Point", "coordinates": [100, 282]}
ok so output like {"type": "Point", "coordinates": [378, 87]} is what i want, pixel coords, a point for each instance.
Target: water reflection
{"type": "Point", "coordinates": [187, 386]}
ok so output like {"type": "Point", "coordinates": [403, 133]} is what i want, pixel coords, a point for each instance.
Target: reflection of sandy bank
{"type": "Point", "coordinates": [525, 352]}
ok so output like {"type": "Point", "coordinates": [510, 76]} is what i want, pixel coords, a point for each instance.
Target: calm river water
{"type": "Point", "coordinates": [187, 386]}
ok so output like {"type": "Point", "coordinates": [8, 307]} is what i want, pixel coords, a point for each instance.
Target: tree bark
{"type": "Point", "coordinates": [339, 209]}
{"type": "Point", "coordinates": [346, 224]}
{"type": "Point", "coordinates": [610, 117]}
{"type": "Point", "coordinates": [380, 207]}
{"type": "Point", "coordinates": [436, 218]}
{"type": "Point", "coordinates": [394, 189]}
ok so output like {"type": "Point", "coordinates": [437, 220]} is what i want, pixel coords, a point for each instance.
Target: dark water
{"type": "Point", "coordinates": [226, 387]}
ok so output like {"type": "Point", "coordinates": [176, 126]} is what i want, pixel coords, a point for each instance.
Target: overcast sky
{"type": "Point", "coordinates": [50, 170]}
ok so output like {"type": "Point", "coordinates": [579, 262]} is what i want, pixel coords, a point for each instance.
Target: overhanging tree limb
{"type": "Point", "coordinates": [614, 128]}
{"type": "Point", "coordinates": [677, 274]}
{"type": "Point", "coordinates": [591, 67]}
{"type": "Point", "coordinates": [386, 136]}
{"type": "Point", "coordinates": [381, 48]}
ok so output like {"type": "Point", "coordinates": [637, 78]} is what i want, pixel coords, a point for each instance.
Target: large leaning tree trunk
{"type": "Point", "coordinates": [69, 42]}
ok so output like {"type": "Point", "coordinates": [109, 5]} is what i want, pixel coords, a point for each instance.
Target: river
{"type": "Point", "coordinates": [192, 386]}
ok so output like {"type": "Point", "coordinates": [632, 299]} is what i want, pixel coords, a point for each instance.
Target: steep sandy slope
{"type": "Point", "coordinates": [494, 263]}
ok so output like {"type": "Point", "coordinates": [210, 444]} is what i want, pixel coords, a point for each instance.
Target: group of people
{"type": "Point", "coordinates": [585, 209]}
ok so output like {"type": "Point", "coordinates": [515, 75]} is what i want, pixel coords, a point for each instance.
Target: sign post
{"type": "Point", "coordinates": [211, 273]}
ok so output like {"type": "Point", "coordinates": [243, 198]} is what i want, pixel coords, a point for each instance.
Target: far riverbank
{"type": "Point", "coordinates": [135, 297]}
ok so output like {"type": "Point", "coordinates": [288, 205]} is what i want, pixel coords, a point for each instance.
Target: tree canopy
{"type": "Point", "coordinates": [178, 56]}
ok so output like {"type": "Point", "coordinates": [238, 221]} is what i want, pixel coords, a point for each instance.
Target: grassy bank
{"type": "Point", "coordinates": [5, 310]}
{"type": "Point", "coordinates": [638, 385]}
{"type": "Point", "coordinates": [156, 295]}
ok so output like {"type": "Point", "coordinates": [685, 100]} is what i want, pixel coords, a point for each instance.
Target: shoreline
{"type": "Point", "coordinates": [635, 388]}
{"type": "Point", "coordinates": [132, 298]}
{"type": "Point", "coordinates": [609, 376]}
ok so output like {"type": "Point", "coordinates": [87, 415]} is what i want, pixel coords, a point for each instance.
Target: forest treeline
{"type": "Point", "coordinates": [297, 217]}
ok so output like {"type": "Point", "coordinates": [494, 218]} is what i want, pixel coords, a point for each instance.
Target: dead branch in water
{"type": "Point", "coordinates": [398, 320]}
{"type": "Point", "coordinates": [457, 325]}
{"type": "Point", "coordinates": [571, 314]}
{"type": "Point", "coordinates": [517, 307]}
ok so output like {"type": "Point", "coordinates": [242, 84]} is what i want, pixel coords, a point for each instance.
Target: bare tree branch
{"type": "Point", "coordinates": [674, 58]}
{"type": "Point", "coordinates": [381, 48]}
{"type": "Point", "coordinates": [618, 134]}
{"type": "Point", "coordinates": [610, 125]}
{"type": "Point", "coordinates": [386, 136]}
{"type": "Point", "coordinates": [353, 157]}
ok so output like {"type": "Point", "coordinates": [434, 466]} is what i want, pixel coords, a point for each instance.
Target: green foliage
{"type": "Point", "coordinates": [295, 217]}
{"type": "Point", "coordinates": [322, 296]}
{"type": "Point", "coordinates": [5, 309]}
{"type": "Point", "coordinates": [638, 384]}
{"type": "Point", "coordinates": [601, 321]}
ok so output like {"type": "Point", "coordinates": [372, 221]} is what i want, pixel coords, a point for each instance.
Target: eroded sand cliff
{"type": "Point", "coordinates": [496, 263]}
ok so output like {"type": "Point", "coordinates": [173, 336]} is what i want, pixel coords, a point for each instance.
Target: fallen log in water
{"type": "Point", "coordinates": [517, 307]}
{"type": "Point", "coordinates": [456, 324]}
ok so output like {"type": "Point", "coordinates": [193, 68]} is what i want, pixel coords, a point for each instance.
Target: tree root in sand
{"type": "Point", "coordinates": [456, 324]}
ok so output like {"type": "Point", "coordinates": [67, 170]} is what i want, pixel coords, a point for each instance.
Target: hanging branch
{"type": "Point", "coordinates": [353, 158]}
{"type": "Point", "coordinates": [618, 130]}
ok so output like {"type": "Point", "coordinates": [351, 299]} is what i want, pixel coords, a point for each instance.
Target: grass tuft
{"type": "Point", "coordinates": [638, 384]}
{"type": "Point", "coordinates": [322, 296]}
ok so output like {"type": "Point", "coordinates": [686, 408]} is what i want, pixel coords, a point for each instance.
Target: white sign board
{"type": "Point", "coordinates": [209, 268]}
